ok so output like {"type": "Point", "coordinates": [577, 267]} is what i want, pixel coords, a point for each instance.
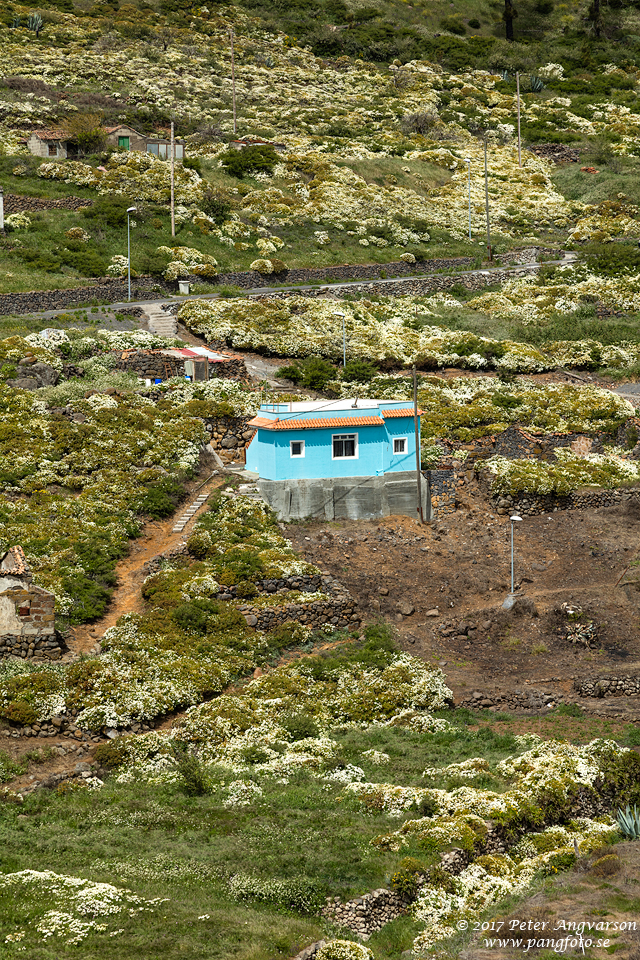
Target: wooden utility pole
{"type": "Point", "coordinates": [173, 206]}
{"type": "Point", "coordinates": [416, 427]}
{"type": "Point", "coordinates": [486, 199]}
{"type": "Point", "coordinates": [518, 98]}
{"type": "Point", "coordinates": [233, 84]}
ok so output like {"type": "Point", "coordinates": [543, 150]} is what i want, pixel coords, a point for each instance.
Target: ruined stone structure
{"type": "Point", "coordinates": [26, 611]}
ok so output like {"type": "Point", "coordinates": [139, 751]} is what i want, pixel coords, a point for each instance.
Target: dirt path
{"type": "Point", "coordinates": [157, 537]}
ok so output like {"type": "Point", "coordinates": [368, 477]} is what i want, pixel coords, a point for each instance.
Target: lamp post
{"type": "Point", "coordinates": [514, 519]}
{"type": "Point", "coordinates": [130, 210]}
{"type": "Point", "coordinates": [486, 198]}
{"type": "Point", "coordinates": [468, 161]}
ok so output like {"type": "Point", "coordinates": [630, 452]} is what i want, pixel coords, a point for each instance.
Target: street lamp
{"type": "Point", "coordinates": [130, 210]}
{"type": "Point", "coordinates": [468, 161]}
{"type": "Point", "coordinates": [514, 519]}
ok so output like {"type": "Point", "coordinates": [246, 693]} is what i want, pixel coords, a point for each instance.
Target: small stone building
{"type": "Point", "coordinates": [26, 611]}
{"type": "Point", "coordinates": [51, 144]}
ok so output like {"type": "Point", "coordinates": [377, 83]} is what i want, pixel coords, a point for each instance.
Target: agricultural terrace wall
{"type": "Point", "coordinates": [229, 433]}
{"type": "Point", "coordinates": [533, 504]}
{"type": "Point", "coordinates": [443, 485]}
{"type": "Point", "coordinates": [158, 363]}
{"type": "Point", "coordinates": [107, 290]}
{"type": "Point", "coordinates": [623, 686]}
{"type": "Point", "coordinates": [416, 286]}
{"type": "Point", "coordinates": [376, 271]}
{"type": "Point", "coordinates": [13, 203]}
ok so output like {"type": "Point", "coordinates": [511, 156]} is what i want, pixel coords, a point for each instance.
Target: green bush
{"type": "Point", "coordinates": [193, 775]}
{"type": "Point", "coordinates": [161, 498]}
{"type": "Point", "coordinates": [313, 373]}
{"type": "Point", "coordinates": [453, 25]}
{"type": "Point", "coordinates": [112, 754]}
{"type": "Point", "coordinates": [249, 160]}
{"type": "Point", "coordinates": [108, 210]}
{"type": "Point", "coordinates": [358, 371]}
{"type": "Point", "coordinates": [612, 259]}
{"type": "Point", "coordinates": [194, 615]}
{"type": "Point", "coordinates": [300, 726]}
{"type": "Point", "coordinates": [215, 206]}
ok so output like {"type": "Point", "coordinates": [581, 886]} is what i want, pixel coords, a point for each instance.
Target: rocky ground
{"type": "Point", "coordinates": [443, 586]}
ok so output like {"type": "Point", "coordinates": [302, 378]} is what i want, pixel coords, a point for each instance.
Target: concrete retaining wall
{"type": "Point", "coordinates": [348, 498]}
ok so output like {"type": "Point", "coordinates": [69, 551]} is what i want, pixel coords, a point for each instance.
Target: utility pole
{"type": "Point", "coordinates": [416, 426]}
{"type": "Point", "coordinates": [486, 198]}
{"type": "Point", "coordinates": [233, 84]}
{"type": "Point", "coordinates": [173, 207]}
{"type": "Point", "coordinates": [518, 97]}
{"type": "Point", "coordinates": [468, 159]}
{"type": "Point", "coordinates": [1, 210]}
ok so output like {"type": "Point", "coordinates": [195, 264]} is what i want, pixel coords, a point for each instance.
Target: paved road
{"type": "Point", "coordinates": [325, 287]}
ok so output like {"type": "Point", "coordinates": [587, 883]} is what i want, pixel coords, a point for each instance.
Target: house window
{"type": "Point", "coordinates": [123, 143]}
{"type": "Point", "coordinates": [164, 150]}
{"type": "Point", "coordinates": [152, 148]}
{"type": "Point", "coordinates": [297, 448]}
{"type": "Point", "coordinates": [179, 151]}
{"type": "Point", "coordinates": [53, 149]}
{"type": "Point", "coordinates": [345, 446]}
{"type": "Point", "coordinates": [399, 444]}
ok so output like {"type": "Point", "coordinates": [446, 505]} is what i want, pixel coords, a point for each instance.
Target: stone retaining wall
{"type": "Point", "coordinates": [106, 290]}
{"type": "Point", "coordinates": [230, 433]}
{"type": "Point", "coordinates": [416, 286]}
{"type": "Point", "coordinates": [364, 915]}
{"type": "Point", "coordinates": [516, 444]}
{"type": "Point", "coordinates": [247, 279]}
{"type": "Point", "coordinates": [623, 686]}
{"type": "Point", "coordinates": [443, 484]}
{"type": "Point", "coordinates": [13, 203]}
{"type": "Point", "coordinates": [339, 610]}
{"type": "Point", "coordinates": [533, 504]}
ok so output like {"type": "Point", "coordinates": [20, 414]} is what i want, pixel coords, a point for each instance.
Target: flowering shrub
{"type": "Point", "coordinates": [80, 907]}
{"type": "Point", "coordinates": [568, 473]}
{"type": "Point", "coordinates": [18, 221]}
{"type": "Point", "coordinates": [344, 950]}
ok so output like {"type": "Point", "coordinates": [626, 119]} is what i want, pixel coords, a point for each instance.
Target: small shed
{"type": "Point", "coordinates": [48, 143]}
{"type": "Point", "coordinates": [125, 137]}
{"type": "Point", "coordinates": [26, 611]}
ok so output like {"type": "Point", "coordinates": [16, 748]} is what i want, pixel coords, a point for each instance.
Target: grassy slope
{"type": "Point", "coordinates": [158, 842]}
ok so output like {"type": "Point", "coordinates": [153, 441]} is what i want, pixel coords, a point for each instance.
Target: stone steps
{"type": "Point", "coordinates": [160, 322]}
{"type": "Point", "coordinates": [190, 512]}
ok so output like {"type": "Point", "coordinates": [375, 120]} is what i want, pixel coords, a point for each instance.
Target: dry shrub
{"type": "Point", "coordinates": [606, 866]}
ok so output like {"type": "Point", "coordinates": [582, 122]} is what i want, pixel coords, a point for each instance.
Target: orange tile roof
{"type": "Point", "coordinates": [406, 412]}
{"type": "Point", "coordinates": [315, 424]}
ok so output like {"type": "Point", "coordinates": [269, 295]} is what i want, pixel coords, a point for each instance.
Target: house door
{"type": "Point", "coordinates": [123, 143]}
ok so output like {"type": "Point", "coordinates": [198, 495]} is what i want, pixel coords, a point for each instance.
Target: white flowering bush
{"type": "Point", "coordinates": [262, 265]}
{"type": "Point", "coordinates": [344, 950]}
{"type": "Point", "coordinates": [18, 221]}
{"type": "Point", "coordinates": [75, 907]}
{"type": "Point", "coordinates": [186, 261]}
{"type": "Point", "coordinates": [568, 473]}
{"type": "Point", "coordinates": [118, 266]}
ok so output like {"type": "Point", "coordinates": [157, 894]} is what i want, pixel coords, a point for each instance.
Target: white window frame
{"type": "Point", "coordinates": [345, 436]}
{"type": "Point", "coordinates": [296, 456]}
{"type": "Point", "coordinates": [399, 453]}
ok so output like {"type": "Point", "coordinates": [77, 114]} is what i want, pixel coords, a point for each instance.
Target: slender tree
{"type": "Point", "coordinates": [508, 16]}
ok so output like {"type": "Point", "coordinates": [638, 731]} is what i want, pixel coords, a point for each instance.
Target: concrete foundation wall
{"type": "Point", "coordinates": [351, 498]}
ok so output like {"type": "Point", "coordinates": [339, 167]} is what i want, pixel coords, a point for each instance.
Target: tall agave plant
{"type": "Point", "coordinates": [629, 822]}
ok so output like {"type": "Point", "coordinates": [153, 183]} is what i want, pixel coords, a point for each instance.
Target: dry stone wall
{"type": "Point", "coordinates": [106, 290]}
{"type": "Point", "coordinates": [229, 435]}
{"type": "Point", "coordinates": [365, 915]}
{"type": "Point", "coordinates": [13, 203]}
{"type": "Point", "coordinates": [27, 622]}
{"type": "Point", "coordinates": [338, 609]}
{"type": "Point", "coordinates": [622, 686]}
{"type": "Point", "coordinates": [533, 504]}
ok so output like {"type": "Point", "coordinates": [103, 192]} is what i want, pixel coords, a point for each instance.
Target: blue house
{"type": "Point", "coordinates": [342, 458]}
